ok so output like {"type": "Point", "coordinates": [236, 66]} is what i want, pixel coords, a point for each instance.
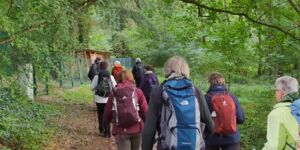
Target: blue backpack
{"type": "Point", "coordinates": [180, 126]}
{"type": "Point", "coordinates": [295, 110]}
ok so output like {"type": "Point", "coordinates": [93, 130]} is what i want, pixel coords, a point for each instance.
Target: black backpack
{"type": "Point", "coordinates": [93, 71]}
{"type": "Point", "coordinates": [140, 70]}
{"type": "Point", "coordinates": [104, 86]}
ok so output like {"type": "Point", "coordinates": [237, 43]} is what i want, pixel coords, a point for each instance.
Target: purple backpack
{"type": "Point", "coordinates": [126, 107]}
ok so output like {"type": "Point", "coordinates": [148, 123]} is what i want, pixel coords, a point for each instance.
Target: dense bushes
{"type": "Point", "coordinates": [22, 122]}
{"type": "Point", "coordinates": [257, 101]}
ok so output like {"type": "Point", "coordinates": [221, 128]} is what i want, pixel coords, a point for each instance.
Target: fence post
{"type": "Point", "coordinates": [79, 70]}
{"type": "Point", "coordinates": [61, 74]}
{"type": "Point", "coordinates": [47, 76]}
{"type": "Point", "coordinates": [34, 80]}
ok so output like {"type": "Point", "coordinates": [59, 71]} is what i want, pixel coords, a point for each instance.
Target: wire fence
{"type": "Point", "coordinates": [72, 74]}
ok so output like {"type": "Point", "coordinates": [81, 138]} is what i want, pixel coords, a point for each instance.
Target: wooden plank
{"type": "Point", "coordinates": [87, 66]}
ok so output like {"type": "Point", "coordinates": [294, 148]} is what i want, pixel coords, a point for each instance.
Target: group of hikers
{"type": "Point", "coordinates": [175, 115]}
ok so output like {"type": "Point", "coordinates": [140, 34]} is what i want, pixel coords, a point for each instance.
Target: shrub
{"type": "Point", "coordinates": [22, 121]}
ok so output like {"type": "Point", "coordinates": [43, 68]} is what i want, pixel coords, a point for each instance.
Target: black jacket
{"type": "Point", "coordinates": [153, 117]}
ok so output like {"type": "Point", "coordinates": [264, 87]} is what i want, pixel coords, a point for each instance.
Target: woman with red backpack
{"type": "Point", "coordinates": [226, 113]}
{"type": "Point", "coordinates": [126, 109]}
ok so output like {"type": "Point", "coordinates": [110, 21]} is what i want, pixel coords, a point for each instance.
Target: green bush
{"type": "Point", "coordinates": [22, 121]}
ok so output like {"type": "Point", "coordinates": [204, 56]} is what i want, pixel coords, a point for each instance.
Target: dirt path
{"type": "Point", "coordinates": [78, 129]}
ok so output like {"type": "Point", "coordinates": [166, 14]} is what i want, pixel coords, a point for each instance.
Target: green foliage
{"type": "Point", "coordinates": [257, 101]}
{"type": "Point", "coordinates": [23, 122]}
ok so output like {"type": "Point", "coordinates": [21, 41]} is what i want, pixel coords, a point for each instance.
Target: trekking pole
{"type": "Point", "coordinates": [95, 119]}
{"type": "Point", "coordinates": [298, 140]}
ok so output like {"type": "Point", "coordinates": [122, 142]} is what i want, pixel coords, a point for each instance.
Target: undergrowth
{"type": "Point", "coordinates": [23, 123]}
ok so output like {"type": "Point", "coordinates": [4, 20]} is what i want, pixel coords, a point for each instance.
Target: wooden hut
{"type": "Point", "coordinates": [89, 56]}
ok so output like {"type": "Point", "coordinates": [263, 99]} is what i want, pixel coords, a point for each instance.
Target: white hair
{"type": "Point", "coordinates": [138, 60]}
{"type": "Point", "coordinates": [287, 84]}
{"type": "Point", "coordinates": [177, 65]}
{"type": "Point", "coordinates": [117, 62]}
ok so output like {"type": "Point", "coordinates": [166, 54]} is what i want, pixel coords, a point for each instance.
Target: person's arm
{"type": "Point", "coordinates": [156, 79]}
{"type": "Point", "coordinates": [148, 135]}
{"type": "Point", "coordinates": [133, 70]}
{"type": "Point", "coordinates": [276, 136]}
{"type": "Point", "coordinates": [108, 109]}
{"type": "Point", "coordinates": [206, 117]}
{"type": "Point", "coordinates": [114, 83]}
{"type": "Point", "coordinates": [240, 118]}
{"type": "Point", "coordinates": [141, 86]}
{"type": "Point", "coordinates": [205, 114]}
{"type": "Point", "coordinates": [143, 104]}
{"type": "Point", "coordinates": [94, 82]}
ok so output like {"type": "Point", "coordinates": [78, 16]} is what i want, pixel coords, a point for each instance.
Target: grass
{"type": "Point", "coordinates": [81, 94]}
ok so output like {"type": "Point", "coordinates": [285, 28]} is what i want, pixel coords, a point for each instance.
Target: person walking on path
{"type": "Point", "coordinates": [94, 69]}
{"type": "Point", "coordinates": [282, 126]}
{"type": "Point", "coordinates": [102, 85]}
{"type": "Point", "coordinates": [126, 109]}
{"type": "Point", "coordinates": [226, 112]}
{"type": "Point", "coordinates": [117, 68]}
{"type": "Point", "coordinates": [178, 111]}
{"type": "Point", "coordinates": [148, 80]}
{"type": "Point", "coordinates": [138, 71]}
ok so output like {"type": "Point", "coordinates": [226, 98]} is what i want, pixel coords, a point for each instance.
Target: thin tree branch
{"type": "Point", "coordinates": [294, 6]}
{"type": "Point", "coordinates": [10, 5]}
{"type": "Point", "coordinates": [243, 15]}
{"type": "Point", "coordinates": [24, 31]}
{"type": "Point", "coordinates": [86, 4]}
{"type": "Point", "coordinates": [41, 25]}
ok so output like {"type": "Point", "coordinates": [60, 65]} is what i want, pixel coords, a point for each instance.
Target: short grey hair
{"type": "Point", "coordinates": [138, 60]}
{"type": "Point", "coordinates": [117, 62]}
{"type": "Point", "coordinates": [287, 84]}
{"type": "Point", "coordinates": [178, 66]}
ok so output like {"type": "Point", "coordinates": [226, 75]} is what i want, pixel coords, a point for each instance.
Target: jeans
{"type": "Point", "coordinates": [129, 142]}
{"type": "Point", "coordinates": [103, 126]}
{"type": "Point", "coordinates": [235, 146]}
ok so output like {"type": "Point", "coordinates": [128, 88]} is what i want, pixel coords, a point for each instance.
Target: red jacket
{"type": "Point", "coordinates": [109, 113]}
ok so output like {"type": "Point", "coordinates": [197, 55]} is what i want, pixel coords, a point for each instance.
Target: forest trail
{"type": "Point", "coordinates": [77, 128]}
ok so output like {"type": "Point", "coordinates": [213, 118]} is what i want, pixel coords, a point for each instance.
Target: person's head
{"type": "Point", "coordinates": [149, 68]}
{"type": "Point", "coordinates": [178, 66]}
{"type": "Point", "coordinates": [215, 79]}
{"type": "Point", "coordinates": [285, 85]}
{"type": "Point", "coordinates": [138, 60]}
{"type": "Point", "coordinates": [97, 60]}
{"type": "Point", "coordinates": [117, 62]}
{"type": "Point", "coordinates": [103, 65]}
{"type": "Point", "coordinates": [127, 75]}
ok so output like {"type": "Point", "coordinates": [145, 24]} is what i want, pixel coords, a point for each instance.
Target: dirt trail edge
{"type": "Point", "coordinates": [77, 128]}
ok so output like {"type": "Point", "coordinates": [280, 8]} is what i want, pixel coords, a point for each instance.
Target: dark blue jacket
{"type": "Point", "coordinates": [220, 140]}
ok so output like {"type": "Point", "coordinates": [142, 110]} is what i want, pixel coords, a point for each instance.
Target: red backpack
{"type": "Point", "coordinates": [224, 113]}
{"type": "Point", "coordinates": [125, 105]}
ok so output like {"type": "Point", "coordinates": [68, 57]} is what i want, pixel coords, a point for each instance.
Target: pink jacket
{"type": "Point", "coordinates": [109, 113]}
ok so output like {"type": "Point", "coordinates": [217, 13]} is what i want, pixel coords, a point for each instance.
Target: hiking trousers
{"type": "Point", "coordinates": [103, 126]}
{"type": "Point", "coordinates": [235, 146]}
{"type": "Point", "coordinates": [129, 142]}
